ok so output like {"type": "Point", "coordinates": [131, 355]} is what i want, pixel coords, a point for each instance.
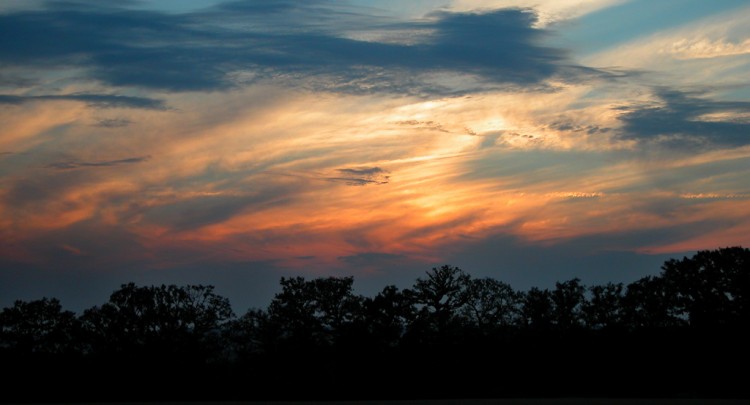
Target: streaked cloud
{"type": "Point", "coordinates": [550, 11]}
{"type": "Point", "coordinates": [214, 49]}
{"type": "Point", "coordinates": [704, 48]}
{"type": "Point", "coordinates": [113, 123]}
{"type": "Point", "coordinates": [102, 163]}
{"type": "Point", "coordinates": [244, 140]}
{"type": "Point", "coordinates": [714, 196]}
{"type": "Point", "coordinates": [679, 119]}
{"type": "Point", "coordinates": [93, 100]}
{"type": "Point", "coordinates": [362, 176]}
{"type": "Point", "coordinates": [705, 51]}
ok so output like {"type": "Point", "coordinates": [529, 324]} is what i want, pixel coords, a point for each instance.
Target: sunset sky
{"type": "Point", "coordinates": [234, 142]}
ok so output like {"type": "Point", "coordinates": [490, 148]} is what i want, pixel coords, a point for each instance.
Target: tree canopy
{"type": "Point", "coordinates": [449, 334]}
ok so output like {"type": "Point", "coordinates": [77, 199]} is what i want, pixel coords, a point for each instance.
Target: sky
{"type": "Point", "coordinates": [232, 143]}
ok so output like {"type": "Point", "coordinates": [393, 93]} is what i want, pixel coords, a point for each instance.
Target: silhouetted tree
{"type": "Point", "coordinates": [491, 304]}
{"type": "Point", "coordinates": [39, 326]}
{"type": "Point", "coordinates": [680, 333]}
{"type": "Point", "coordinates": [163, 320]}
{"type": "Point", "coordinates": [40, 351]}
{"type": "Point", "coordinates": [712, 288]}
{"type": "Point", "coordinates": [568, 300]}
{"type": "Point", "coordinates": [308, 333]}
{"type": "Point", "coordinates": [537, 309]}
{"type": "Point", "coordinates": [387, 316]}
{"type": "Point", "coordinates": [248, 336]}
{"type": "Point", "coordinates": [313, 312]}
{"type": "Point", "coordinates": [603, 310]}
{"type": "Point", "coordinates": [439, 298]}
{"type": "Point", "coordinates": [648, 304]}
{"type": "Point", "coordinates": [158, 341]}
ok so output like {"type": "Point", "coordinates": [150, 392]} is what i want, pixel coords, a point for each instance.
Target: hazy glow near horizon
{"type": "Point", "coordinates": [337, 138]}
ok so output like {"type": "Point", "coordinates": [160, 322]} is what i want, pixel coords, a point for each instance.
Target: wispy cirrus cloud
{"type": "Point", "coordinates": [321, 137]}
{"type": "Point", "coordinates": [76, 164]}
{"type": "Point", "coordinates": [704, 48]}
{"type": "Point", "coordinates": [93, 100]}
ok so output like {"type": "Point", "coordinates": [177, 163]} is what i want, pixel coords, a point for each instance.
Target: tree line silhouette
{"type": "Point", "coordinates": [682, 333]}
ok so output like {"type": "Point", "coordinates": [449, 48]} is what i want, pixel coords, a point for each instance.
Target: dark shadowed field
{"type": "Point", "coordinates": [515, 401]}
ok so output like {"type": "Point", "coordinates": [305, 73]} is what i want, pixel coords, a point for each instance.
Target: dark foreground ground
{"type": "Point", "coordinates": [515, 401]}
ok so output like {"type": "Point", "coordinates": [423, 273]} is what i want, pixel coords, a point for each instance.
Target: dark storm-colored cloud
{"type": "Point", "coordinates": [104, 163]}
{"type": "Point", "coordinates": [117, 45]}
{"type": "Point", "coordinates": [202, 50]}
{"type": "Point", "coordinates": [362, 176]}
{"type": "Point", "coordinates": [499, 45]}
{"type": "Point", "coordinates": [93, 100]}
{"type": "Point", "coordinates": [677, 120]}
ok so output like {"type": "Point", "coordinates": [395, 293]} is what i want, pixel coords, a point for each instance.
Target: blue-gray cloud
{"type": "Point", "coordinates": [520, 169]}
{"type": "Point", "coordinates": [201, 210]}
{"type": "Point", "coordinates": [113, 123]}
{"type": "Point", "coordinates": [93, 100]}
{"type": "Point", "coordinates": [361, 176]}
{"type": "Point", "coordinates": [25, 192]}
{"type": "Point", "coordinates": [569, 126]}
{"type": "Point", "coordinates": [677, 120]}
{"type": "Point", "coordinates": [202, 50]}
{"type": "Point", "coordinates": [15, 81]}
{"type": "Point", "coordinates": [74, 164]}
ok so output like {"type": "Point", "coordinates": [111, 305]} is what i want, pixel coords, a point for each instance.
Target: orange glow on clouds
{"type": "Point", "coordinates": [302, 178]}
{"type": "Point", "coordinates": [524, 140]}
